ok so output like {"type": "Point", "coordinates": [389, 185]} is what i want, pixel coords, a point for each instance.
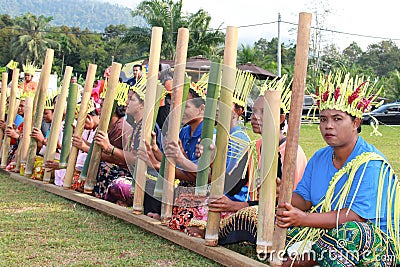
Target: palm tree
{"type": "Point", "coordinates": [202, 40]}
{"type": "Point", "coordinates": [166, 14]}
{"type": "Point", "coordinates": [246, 54]}
{"type": "Point", "coordinates": [30, 41]}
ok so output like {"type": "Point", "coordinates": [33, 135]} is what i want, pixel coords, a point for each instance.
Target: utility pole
{"type": "Point", "coordinates": [279, 45]}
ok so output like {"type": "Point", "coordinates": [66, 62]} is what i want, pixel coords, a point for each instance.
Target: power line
{"type": "Point", "coordinates": [218, 29]}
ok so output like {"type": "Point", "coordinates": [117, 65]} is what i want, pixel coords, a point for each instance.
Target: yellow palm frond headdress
{"type": "Point", "coordinates": [279, 84]}
{"type": "Point", "coordinates": [244, 82]}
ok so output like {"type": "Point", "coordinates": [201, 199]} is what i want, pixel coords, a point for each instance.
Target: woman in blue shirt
{"type": "Point", "coordinates": [345, 200]}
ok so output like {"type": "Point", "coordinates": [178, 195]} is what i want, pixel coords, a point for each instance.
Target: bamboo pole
{"type": "Point", "coordinates": [104, 122]}
{"type": "Point", "coordinates": [174, 122]}
{"type": "Point", "coordinates": [3, 99]}
{"type": "Point", "coordinates": [26, 131]}
{"type": "Point", "coordinates": [85, 167]}
{"type": "Point", "coordinates": [80, 124]}
{"type": "Point", "coordinates": [223, 128]}
{"type": "Point", "coordinates": [39, 108]}
{"type": "Point", "coordinates": [68, 128]}
{"type": "Point", "coordinates": [55, 127]}
{"type": "Point", "coordinates": [160, 179]}
{"type": "Point", "coordinates": [269, 168]}
{"type": "Point", "coordinates": [151, 86]}
{"type": "Point", "coordinates": [10, 117]}
{"type": "Point", "coordinates": [292, 140]}
{"type": "Point", "coordinates": [213, 88]}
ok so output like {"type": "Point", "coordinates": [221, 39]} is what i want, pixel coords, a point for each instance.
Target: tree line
{"type": "Point", "coordinates": [25, 38]}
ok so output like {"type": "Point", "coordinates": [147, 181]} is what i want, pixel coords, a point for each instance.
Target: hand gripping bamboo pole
{"type": "Point", "coordinates": [223, 128]}
{"type": "Point", "coordinates": [299, 82]}
{"type": "Point", "coordinates": [10, 117]}
{"type": "Point", "coordinates": [104, 122]}
{"type": "Point", "coordinates": [83, 110]}
{"type": "Point", "coordinates": [174, 122]}
{"type": "Point", "coordinates": [56, 122]}
{"type": "Point", "coordinates": [26, 131]}
{"type": "Point", "coordinates": [269, 169]}
{"type": "Point", "coordinates": [3, 99]}
{"type": "Point", "coordinates": [39, 108]}
{"type": "Point", "coordinates": [151, 86]}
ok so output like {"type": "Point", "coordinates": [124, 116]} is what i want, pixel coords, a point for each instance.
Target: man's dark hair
{"type": "Point", "coordinates": [359, 127]}
{"type": "Point", "coordinates": [196, 99]}
{"type": "Point", "coordinates": [137, 65]}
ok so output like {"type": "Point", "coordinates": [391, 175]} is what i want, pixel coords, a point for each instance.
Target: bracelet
{"type": "Point", "coordinates": [112, 150]}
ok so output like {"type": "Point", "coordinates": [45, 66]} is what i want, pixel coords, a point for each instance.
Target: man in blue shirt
{"type": "Point", "coordinates": [137, 73]}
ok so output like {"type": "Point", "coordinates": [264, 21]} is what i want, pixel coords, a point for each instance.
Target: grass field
{"type": "Point", "coordinates": [41, 229]}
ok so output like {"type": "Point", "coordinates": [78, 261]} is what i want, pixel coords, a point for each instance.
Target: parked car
{"type": "Point", "coordinates": [385, 114]}
{"type": "Point", "coordinates": [310, 111]}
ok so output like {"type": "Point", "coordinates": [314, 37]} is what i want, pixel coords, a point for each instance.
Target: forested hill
{"type": "Point", "coordinates": [90, 14]}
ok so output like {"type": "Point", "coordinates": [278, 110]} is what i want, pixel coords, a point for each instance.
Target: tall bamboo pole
{"type": "Point", "coordinates": [10, 117]}
{"type": "Point", "coordinates": [39, 108]}
{"type": "Point", "coordinates": [160, 179]}
{"type": "Point", "coordinates": [174, 122]}
{"type": "Point", "coordinates": [3, 99]}
{"type": "Point", "coordinates": [56, 122]}
{"type": "Point", "coordinates": [103, 126]}
{"type": "Point", "coordinates": [269, 167]}
{"type": "Point", "coordinates": [213, 89]}
{"type": "Point", "coordinates": [80, 124]}
{"type": "Point", "coordinates": [292, 140]}
{"type": "Point", "coordinates": [223, 128]}
{"type": "Point", "coordinates": [26, 132]}
{"type": "Point", "coordinates": [68, 128]}
{"type": "Point", "coordinates": [151, 86]}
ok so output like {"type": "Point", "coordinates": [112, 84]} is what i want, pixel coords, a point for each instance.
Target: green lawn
{"type": "Point", "coordinates": [38, 228]}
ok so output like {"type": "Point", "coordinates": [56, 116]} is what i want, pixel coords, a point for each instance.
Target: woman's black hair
{"type": "Point", "coordinates": [120, 111]}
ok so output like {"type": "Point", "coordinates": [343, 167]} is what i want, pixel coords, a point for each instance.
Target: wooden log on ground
{"type": "Point", "coordinates": [39, 108]}
{"type": "Point", "coordinates": [10, 117]}
{"type": "Point", "coordinates": [223, 128]}
{"type": "Point", "coordinates": [174, 122]}
{"type": "Point", "coordinates": [56, 122]}
{"type": "Point", "coordinates": [269, 167]}
{"type": "Point", "coordinates": [151, 86]}
{"type": "Point", "coordinates": [80, 124]}
{"type": "Point", "coordinates": [292, 140]}
{"type": "Point", "coordinates": [104, 122]}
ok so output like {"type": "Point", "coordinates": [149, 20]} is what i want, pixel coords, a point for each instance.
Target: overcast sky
{"type": "Point", "coordinates": [376, 19]}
